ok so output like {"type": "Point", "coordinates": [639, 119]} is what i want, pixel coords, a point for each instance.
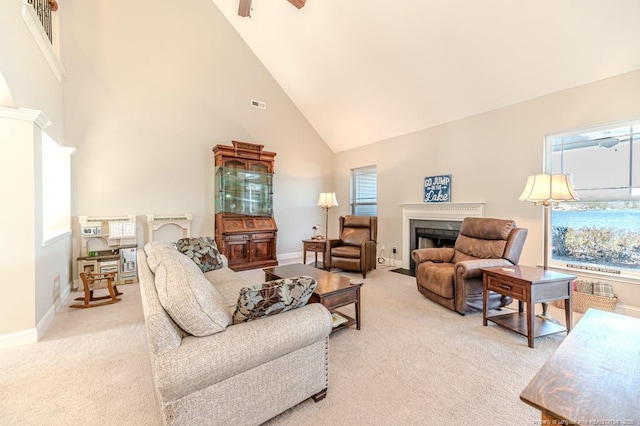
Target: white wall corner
{"type": "Point", "coordinates": [44, 323]}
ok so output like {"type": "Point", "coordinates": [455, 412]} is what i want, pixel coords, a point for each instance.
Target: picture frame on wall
{"type": "Point", "coordinates": [437, 189]}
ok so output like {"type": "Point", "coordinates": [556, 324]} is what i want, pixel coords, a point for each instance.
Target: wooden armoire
{"type": "Point", "coordinates": [245, 230]}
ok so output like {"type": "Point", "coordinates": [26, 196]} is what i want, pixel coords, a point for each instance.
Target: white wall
{"type": "Point", "coordinates": [151, 88]}
{"type": "Point", "coordinates": [17, 262]}
{"type": "Point", "coordinates": [29, 272]}
{"type": "Point", "coordinates": [489, 157]}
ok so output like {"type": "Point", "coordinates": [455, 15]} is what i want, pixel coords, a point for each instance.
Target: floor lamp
{"type": "Point", "coordinates": [547, 190]}
{"type": "Point", "coordinates": [326, 201]}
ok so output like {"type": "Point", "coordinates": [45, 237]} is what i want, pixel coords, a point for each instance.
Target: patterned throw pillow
{"type": "Point", "coordinates": [603, 289]}
{"type": "Point", "coordinates": [273, 297]}
{"type": "Point", "coordinates": [583, 286]}
{"type": "Point", "coordinates": [202, 250]}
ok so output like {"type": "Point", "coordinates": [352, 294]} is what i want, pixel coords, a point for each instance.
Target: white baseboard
{"type": "Point", "coordinates": [289, 256]}
{"type": "Point", "coordinates": [32, 335]}
{"type": "Point", "coordinates": [19, 338]}
{"type": "Point", "coordinates": [46, 320]}
{"type": "Point", "coordinates": [631, 311]}
{"type": "Point", "coordinates": [63, 297]}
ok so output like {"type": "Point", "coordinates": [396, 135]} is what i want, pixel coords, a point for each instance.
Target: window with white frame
{"type": "Point", "coordinates": [601, 232]}
{"type": "Point", "coordinates": [364, 191]}
{"type": "Point", "coordinates": [56, 189]}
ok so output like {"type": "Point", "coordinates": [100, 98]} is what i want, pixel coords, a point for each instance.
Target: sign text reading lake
{"type": "Point", "coordinates": [437, 189]}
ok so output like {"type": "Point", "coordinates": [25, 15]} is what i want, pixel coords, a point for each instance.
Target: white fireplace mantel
{"type": "Point", "coordinates": [435, 211]}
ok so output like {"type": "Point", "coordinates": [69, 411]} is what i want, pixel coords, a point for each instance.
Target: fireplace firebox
{"type": "Point", "coordinates": [431, 233]}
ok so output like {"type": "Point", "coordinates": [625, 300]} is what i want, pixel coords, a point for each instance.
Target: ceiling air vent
{"type": "Point", "coordinates": [258, 104]}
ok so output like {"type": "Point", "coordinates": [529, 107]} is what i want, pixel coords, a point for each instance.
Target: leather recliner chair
{"type": "Point", "coordinates": [452, 276]}
{"type": "Point", "coordinates": [355, 250]}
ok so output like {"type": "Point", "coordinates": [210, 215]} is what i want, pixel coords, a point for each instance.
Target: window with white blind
{"type": "Point", "coordinates": [364, 191]}
{"type": "Point", "coordinates": [601, 232]}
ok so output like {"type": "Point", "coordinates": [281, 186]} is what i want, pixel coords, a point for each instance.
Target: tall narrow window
{"type": "Point", "coordinates": [601, 232]}
{"type": "Point", "coordinates": [364, 191]}
{"type": "Point", "coordinates": [56, 189]}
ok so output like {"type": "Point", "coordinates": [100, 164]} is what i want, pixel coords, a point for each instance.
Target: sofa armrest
{"type": "Point", "coordinates": [200, 362]}
{"type": "Point", "coordinates": [471, 268]}
{"type": "Point", "coordinates": [438, 255]}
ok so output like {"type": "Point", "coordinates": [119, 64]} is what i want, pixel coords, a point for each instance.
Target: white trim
{"type": "Point", "coordinates": [435, 211]}
{"type": "Point", "coordinates": [66, 291]}
{"type": "Point", "coordinates": [631, 311]}
{"type": "Point", "coordinates": [44, 323]}
{"type": "Point", "coordinates": [288, 256]}
{"type": "Point", "coordinates": [26, 114]}
{"type": "Point", "coordinates": [19, 338]}
{"type": "Point", "coordinates": [30, 18]}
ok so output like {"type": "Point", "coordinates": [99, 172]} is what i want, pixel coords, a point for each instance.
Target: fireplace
{"type": "Point", "coordinates": [431, 233]}
{"type": "Point", "coordinates": [436, 221]}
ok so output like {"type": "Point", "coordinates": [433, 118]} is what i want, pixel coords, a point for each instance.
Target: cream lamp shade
{"type": "Point", "coordinates": [546, 189]}
{"type": "Point", "coordinates": [327, 200]}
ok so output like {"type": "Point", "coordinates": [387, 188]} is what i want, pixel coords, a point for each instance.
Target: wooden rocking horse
{"type": "Point", "coordinates": [92, 282]}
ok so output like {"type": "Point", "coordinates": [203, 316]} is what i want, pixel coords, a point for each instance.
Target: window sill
{"type": "Point", "coordinates": [626, 277]}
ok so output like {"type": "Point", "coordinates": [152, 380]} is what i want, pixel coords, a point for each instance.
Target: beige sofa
{"type": "Point", "coordinates": [241, 374]}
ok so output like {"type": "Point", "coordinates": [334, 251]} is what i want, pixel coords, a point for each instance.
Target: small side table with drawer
{"type": "Point", "coordinates": [316, 246]}
{"type": "Point", "coordinates": [530, 286]}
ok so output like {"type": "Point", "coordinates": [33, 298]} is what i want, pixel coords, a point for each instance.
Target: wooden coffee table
{"type": "Point", "coordinates": [332, 290]}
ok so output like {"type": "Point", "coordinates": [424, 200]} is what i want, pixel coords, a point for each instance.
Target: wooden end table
{"type": "Point", "coordinates": [530, 286]}
{"type": "Point", "coordinates": [316, 246]}
{"type": "Point", "coordinates": [332, 290]}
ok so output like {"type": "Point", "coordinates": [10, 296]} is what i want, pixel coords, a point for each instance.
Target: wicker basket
{"type": "Point", "coordinates": [584, 301]}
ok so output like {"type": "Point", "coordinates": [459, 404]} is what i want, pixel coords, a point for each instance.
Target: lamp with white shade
{"type": "Point", "coordinates": [326, 201]}
{"type": "Point", "coordinates": [547, 190]}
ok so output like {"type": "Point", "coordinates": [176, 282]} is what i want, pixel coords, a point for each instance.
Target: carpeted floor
{"type": "Point", "coordinates": [413, 363]}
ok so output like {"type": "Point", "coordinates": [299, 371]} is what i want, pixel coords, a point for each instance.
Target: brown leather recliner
{"type": "Point", "coordinates": [452, 276]}
{"type": "Point", "coordinates": [355, 250]}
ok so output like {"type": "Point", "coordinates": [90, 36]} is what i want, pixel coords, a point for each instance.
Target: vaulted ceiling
{"type": "Point", "coordinates": [362, 71]}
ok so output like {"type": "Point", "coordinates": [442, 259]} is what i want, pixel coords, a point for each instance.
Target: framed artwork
{"type": "Point", "coordinates": [437, 189]}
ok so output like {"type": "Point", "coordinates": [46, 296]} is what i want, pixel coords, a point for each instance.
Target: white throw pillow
{"type": "Point", "coordinates": [154, 251]}
{"type": "Point", "coordinates": [188, 297]}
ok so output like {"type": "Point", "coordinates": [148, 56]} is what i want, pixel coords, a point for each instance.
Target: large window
{"type": "Point", "coordinates": [364, 191]}
{"type": "Point", "coordinates": [601, 232]}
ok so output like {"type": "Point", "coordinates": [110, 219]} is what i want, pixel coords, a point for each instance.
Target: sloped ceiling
{"type": "Point", "coordinates": [362, 71]}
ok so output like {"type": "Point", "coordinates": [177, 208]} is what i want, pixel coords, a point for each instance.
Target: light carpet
{"type": "Point", "coordinates": [412, 363]}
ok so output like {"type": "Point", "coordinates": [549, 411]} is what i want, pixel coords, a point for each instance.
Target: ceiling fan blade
{"type": "Point", "coordinates": [298, 3]}
{"type": "Point", "coordinates": [244, 9]}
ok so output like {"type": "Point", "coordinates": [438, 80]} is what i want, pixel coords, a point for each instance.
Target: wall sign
{"type": "Point", "coordinates": [437, 189]}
